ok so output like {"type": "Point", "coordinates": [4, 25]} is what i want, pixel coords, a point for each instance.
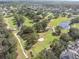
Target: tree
{"type": "Point", "coordinates": [63, 14]}
{"type": "Point", "coordinates": [46, 54]}
{"type": "Point", "coordinates": [57, 31]}
{"type": "Point", "coordinates": [57, 48]}
{"type": "Point", "coordinates": [40, 26]}
{"type": "Point", "coordinates": [56, 16]}
{"type": "Point", "coordinates": [69, 15]}
{"type": "Point", "coordinates": [18, 20]}
{"type": "Point", "coordinates": [29, 35]}
{"type": "Point", "coordinates": [37, 18]}
{"type": "Point", "coordinates": [7, 43]}
{"type": "Point", "coordinates": [75, 20]}
{"type": "Point", "coordinates": [74, 33]}
{"type": "Point", "coordinates": [65, 37]}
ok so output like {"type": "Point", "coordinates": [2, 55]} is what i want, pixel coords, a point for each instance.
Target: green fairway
{"type": "Point", "coordinates": [39, 46]}
{"type": "Point", "coordinates": [57, 21]}
{"type": "Point", "coordinates": [75, 25]}
{"type": "Point", "coordinates": [10, 22]}
{"type": "Point", "coordinates": [27, 22]}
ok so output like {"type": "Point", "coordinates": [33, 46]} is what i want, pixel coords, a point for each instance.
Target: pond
{"type": "Point", "coordinates": [65, 25]}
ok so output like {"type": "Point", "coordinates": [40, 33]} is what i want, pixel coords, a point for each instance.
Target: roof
{"type": "Point", "coordinates": [72, 52]}
{"type": "Point", "coordinates": [65, 57]}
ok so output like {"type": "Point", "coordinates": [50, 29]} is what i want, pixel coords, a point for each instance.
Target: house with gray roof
{"type": "Point", "coordinates": [72, 51]}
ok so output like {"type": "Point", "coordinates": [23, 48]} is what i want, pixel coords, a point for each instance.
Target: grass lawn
{"type": "Point", "coordinates": [10, 22]}
{"type": "Point", "coordinates": [57, 21]}
{"type": "Point", "coordinates": [28, 22]}
{"type": "Point", "coordinates": [64, 31]}
{"type": "Point", "coordinates": [39, 46]}
{"type": "Point", "coordinates": [75, 25]}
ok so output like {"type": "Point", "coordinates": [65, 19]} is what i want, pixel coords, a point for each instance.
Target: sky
{"type": "Point", "coordinates": [39, 0]}
{"type": "Point", "coordinates": [59, 0]}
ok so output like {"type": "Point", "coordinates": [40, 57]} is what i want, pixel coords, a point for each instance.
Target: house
{"type": "Point", "coordinates": [68, 55]}
{"type": "Point", "coordinates": [72, 51]}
